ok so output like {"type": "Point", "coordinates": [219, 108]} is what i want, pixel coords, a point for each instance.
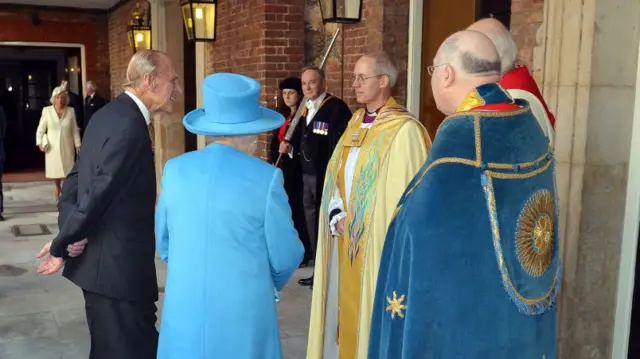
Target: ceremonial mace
{"type": "Point", "coordinates": [296, 118]}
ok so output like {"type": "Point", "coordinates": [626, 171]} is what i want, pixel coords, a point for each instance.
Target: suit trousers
{"type": "Point", "coordinates": [310, 204]}
{"type": "Point", "coordinates": [121, 329]}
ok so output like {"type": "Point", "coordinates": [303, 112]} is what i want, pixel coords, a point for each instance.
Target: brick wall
{"type": "Point", "coordinates": [88, 28]}
{"type": "Point", "coordinates": [278, 45]}
{"type": "Point", "coordinates": [119, 51]}
{"type": "Point", "coordinates": [384, 27]}
{"type": "Point", "coordinates": [270, 49]}
{"type": "Point", "coordinates": [526, 18]}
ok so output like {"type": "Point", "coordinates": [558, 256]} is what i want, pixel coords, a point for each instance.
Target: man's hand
{"type": "Point", "coordinates": [51, 264]}
{"type": "Point", "coordinates": [41, 148]}
{"type": "Point", "coordinates": [340, 226]}
{"type": "Point", "coordinates": [77, 248]}
{"type": "Point", "coordinates": [285, 147]}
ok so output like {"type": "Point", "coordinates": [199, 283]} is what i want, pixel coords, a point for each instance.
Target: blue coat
{"type": "Point", "coordinates": [224, 226]}
{"type": "Point", "coordinates": [470, 267]}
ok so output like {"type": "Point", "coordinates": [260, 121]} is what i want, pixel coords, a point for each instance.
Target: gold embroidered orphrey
{"type": "Point", "coordinates": [535, 234]}
{"type": "Point", "coordinates": [395, 306]}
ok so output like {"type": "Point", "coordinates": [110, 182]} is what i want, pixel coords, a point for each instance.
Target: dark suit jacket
{"type": "Point", "coordinates": [75, 101]}
{"type": "Point", "coordinates": [109, 198]}
{"type": "Point", "coordinates": [91, 106]}
{"type": "Point", "coordinates": [317, 147]}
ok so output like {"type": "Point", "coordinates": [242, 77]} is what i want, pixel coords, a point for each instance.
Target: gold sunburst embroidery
{"type": "Point", "coordinates": [535, 234]}
{"type": "Point", "coordinates": [395, 306]}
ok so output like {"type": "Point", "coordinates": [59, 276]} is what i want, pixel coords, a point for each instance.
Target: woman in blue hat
{"type": "Point", "coordinates": [223, 224]}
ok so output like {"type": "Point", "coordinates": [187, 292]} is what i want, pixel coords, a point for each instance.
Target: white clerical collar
{"type": "Point", "coordinates": [141, 106]}
{"type": "Point", "coordinates": [315, 104]}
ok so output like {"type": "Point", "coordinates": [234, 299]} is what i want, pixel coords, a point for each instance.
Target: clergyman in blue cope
{"type": "Point", "coordinates": [470, 268]}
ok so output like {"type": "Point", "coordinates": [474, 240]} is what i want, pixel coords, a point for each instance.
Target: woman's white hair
{"type": "Point", "coordinates": [240, 142]}
{"type": "Point", "coordinates": [58, 91]}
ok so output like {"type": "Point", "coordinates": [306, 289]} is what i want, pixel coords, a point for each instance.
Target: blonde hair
{"type": "Point", "coordinates": [59, 91]}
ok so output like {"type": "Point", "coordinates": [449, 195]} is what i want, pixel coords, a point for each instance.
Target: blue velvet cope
{"type": "Point", "coordinates": [470, 267]}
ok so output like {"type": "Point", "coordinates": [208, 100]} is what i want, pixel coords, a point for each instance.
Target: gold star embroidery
{"type": "Point", "coordinates": [395, 306]}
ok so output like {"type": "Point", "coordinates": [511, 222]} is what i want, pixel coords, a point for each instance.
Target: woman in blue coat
{"type": "Point", "coordinates": [223, 225]}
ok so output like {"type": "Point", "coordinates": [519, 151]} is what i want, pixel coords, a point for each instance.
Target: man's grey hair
{"type": "Point", "coordinates": [91, 86]}
{"type": "Point", "coordinates": [318, 70]}
{"type": "Point", "coordinates": [143, 63]}
{"type": "Point", "coordinates": [474, 65]}
{"type": "Point", "coordinates": [507, 48]}
{"type": "Point", "coordinates": [383, 65]}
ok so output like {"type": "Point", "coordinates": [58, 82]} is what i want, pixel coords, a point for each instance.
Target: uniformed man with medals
{"type": "Point", "coordinates": [324, 119]}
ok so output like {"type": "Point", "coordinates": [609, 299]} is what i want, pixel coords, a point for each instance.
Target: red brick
{"type": "Point", "coordinates": [119, 51]}
{"type": "Point", "coordinates": [526, 18]}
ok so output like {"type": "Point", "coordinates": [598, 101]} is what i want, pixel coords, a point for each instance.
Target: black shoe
{"type": "Point", "coordinates": [306, 281]}
{"type": "Point", "coordinates": [1, 217]}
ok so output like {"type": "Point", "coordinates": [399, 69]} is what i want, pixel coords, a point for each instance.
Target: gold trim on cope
{"type": "Point", "coordinates": [535, 235]}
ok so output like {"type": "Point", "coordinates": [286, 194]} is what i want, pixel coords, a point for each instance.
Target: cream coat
{"type": "Point", "coordinates": [60, 137]}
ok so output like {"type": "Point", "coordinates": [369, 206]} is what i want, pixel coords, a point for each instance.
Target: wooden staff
{"type": "Point", "coordinates": [296, 118]}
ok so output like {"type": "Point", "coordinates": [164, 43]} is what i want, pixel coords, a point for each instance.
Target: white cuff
{"type": "Point", "coordinates": [337, 218]}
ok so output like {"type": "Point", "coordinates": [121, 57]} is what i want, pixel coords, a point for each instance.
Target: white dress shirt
{"type": "Point", "coordinates": [313, 107]}
{"type": "Point", "coordinates": [143, 108]}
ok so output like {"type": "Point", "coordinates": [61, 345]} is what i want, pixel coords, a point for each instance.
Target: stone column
{"type": "Point", "coordinates": [166, 27]}
{"type": "Point", "coordinates": [200, 75]}
{"type": "Point", "coordinates": [590, 60]}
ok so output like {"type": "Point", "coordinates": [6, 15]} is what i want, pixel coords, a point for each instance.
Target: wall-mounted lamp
{"type": "Point", "coordinates": [139, 33]}
{"type": "Point", "coordinates": [341, 11]}
{"type": "Point", "coordinates": [199, 19]}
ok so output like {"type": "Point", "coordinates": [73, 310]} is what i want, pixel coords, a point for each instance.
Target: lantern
{"type": "Point", "coordinates": [341, 11]}
{"type": "Point", "coordinates": [199, 19]}
{"type": "Point", "coordinates": [139, 33]}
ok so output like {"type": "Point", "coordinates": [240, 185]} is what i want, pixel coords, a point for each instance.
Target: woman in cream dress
{"type": "Point", "coordinates": [58, 137]}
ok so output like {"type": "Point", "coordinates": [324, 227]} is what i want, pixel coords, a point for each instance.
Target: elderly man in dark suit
{"type": "Point", "coordinates": [109, 198]}
{"type": "Point", "coordinates": [92, 102]}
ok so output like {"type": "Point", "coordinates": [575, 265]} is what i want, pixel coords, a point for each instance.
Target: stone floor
{"type": "Point", "coordinates": [42, 317]}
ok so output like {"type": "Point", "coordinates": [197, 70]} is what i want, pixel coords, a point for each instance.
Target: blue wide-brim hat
{"type": "Point", "coordinates": [231, 107]}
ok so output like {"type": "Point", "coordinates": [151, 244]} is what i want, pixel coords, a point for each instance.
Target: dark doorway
{"type": "Point", "coordinates": [190, 89]}
{"type": "Point", "coordinates": [498, 9]}
{"type": "Point", "coordinates": [441, 19]}
{"type": "Point", "coordinates": [27, 77]}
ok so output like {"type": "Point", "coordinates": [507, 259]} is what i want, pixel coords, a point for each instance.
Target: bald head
{"type": "Point", "coordinates": [472, 52]}
{"type": "Point", "coordinates": [502, 40]}
{"type": "Point", "coordinates": [465, 60]}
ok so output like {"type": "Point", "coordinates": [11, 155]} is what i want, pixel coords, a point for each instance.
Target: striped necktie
{"type": "Point", "coordinates": [151, 136]}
